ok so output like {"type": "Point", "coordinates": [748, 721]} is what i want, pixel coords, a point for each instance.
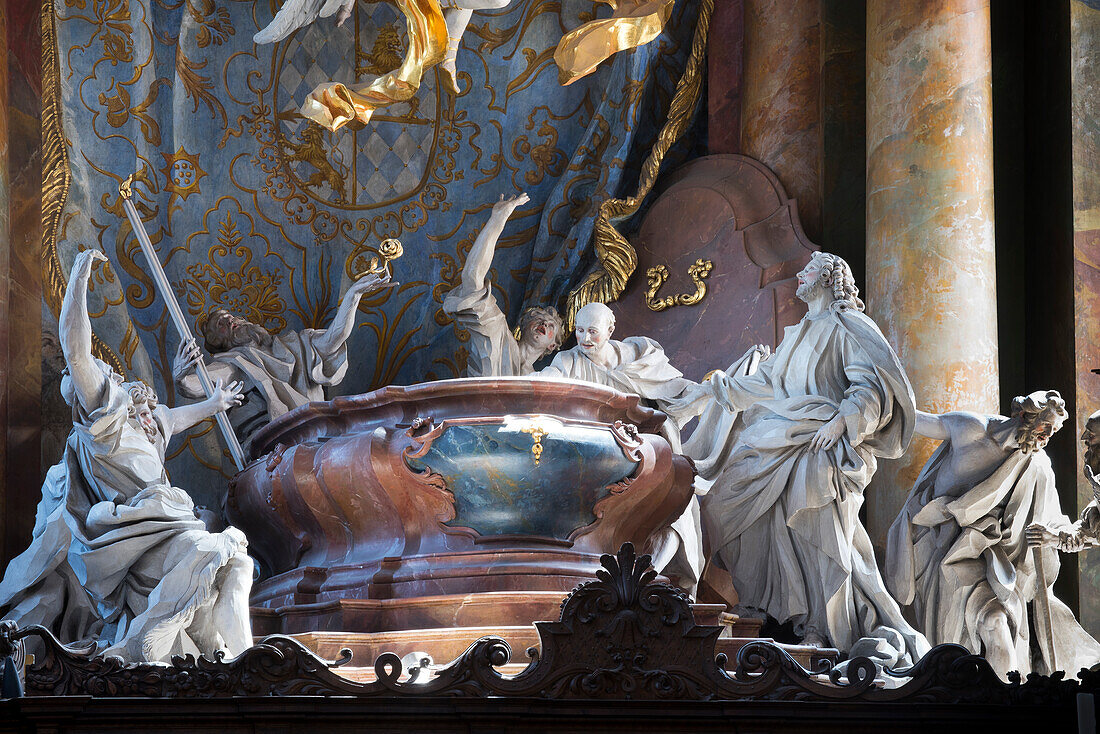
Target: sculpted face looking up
{"type": "Point", "coordinates": [595, 324]}
{"type": "Point", "coordinates": [808, 278]}
{"type": "Point", "coordinates": [541, 329]}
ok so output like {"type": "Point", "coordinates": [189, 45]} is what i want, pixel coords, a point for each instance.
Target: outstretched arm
{"type": "Point", "coordinates": [480, 258]}
{"type": "Point", "coordinates": [75, 329]}
{"type": "Point", "coordinates": [930, 425]}
{"type": "Point", "coordinates": [339, 329]}
{"type": "Point", "coordinates": [183, 417]}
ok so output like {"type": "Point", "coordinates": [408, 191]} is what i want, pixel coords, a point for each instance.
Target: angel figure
{"type": "Point", "coordinates": [435, 29]}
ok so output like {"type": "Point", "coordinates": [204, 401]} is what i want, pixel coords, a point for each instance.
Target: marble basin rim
{"type": "Point", "coordinates": [575, 399]}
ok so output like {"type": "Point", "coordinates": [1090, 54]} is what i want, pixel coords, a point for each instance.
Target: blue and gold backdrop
{"type": "Point", "coordinates": [253, 208]}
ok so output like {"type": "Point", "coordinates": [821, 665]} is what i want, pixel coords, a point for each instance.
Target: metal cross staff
{"type": "Point", "coordinates": [176, 313]}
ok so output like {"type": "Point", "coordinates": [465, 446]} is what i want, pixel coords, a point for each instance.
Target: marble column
{"type": "Point", "coordinates": [930, 249]}
{"type": "Point", "coordinates": [781, 98]}
{"type": "Point", "coordinates": [1085, 131]}
{"type": "Point", "coordinates": [21, 274]}
{"type": "Point", "coordinates": [5, 254]}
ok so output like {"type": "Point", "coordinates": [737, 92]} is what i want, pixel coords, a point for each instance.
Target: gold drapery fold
{"type": "Point", "coordinates": [617, 258]}
{"type": "Point", "coordinates": [333, 105]}
{"type": "Point", "coordinates": [632, 23]}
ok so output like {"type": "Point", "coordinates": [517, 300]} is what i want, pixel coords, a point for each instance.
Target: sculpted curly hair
{"type": "Point", "coordinates": [1029, 408]}
{"type": "Point", "coordinates": [835, 273]}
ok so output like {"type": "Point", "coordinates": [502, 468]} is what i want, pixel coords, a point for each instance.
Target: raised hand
{"type": "Point", "coordinates": [509, 205]}
{"type": "Point", "coordinates": [85, 259]}
{"type": "Point", "coordinates": [828, 435]}
{"type": "Point", "coordinates": [187, 356]}
{"type": "Point", "coordinates": [227, 396]}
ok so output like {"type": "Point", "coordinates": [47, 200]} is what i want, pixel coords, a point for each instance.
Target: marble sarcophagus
{"type": "Point", "coordinates": [460, 503]}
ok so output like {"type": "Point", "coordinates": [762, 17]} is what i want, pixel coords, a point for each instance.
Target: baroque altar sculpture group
{"type": "Point", "coordinates": [785, 445]}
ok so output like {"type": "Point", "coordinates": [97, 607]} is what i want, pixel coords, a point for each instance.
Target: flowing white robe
{"type": "Point", "coordinates": [494, 351]}
{"type": "Point", "coordinates": [118, 559]}
{"type": "Point", "coordinates": [784, 519]}
{"type": "Point", "coordinates": [280, 377]}
{"type": "Point", "coordinates": [643, 369]}
{"type": "Point", "coordinates": [954, 559]}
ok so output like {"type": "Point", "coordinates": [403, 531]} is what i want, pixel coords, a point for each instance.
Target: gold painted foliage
{"type": "Point", "coordinates": [247, 291]}
{"type": "Point", "coordinates": [215, 26]}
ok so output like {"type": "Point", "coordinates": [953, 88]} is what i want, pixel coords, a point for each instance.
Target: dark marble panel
{"type": "Point", "coordinates": [500, 490]}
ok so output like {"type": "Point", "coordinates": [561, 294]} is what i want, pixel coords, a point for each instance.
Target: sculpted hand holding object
{"type": "Point", "coordinates": [279, 371]}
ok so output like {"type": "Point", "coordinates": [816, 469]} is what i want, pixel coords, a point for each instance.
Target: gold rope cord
{"type": "Point", "coordinates": [333, 105]}
{"type": "Point", "coordinates": [617, 257]}
{"type": "Point", "coordinates": [632, 23]}
{"type": "Point", "coordinates": [56, 179]}
{"type": "Point", "coordinates": [55, 164]}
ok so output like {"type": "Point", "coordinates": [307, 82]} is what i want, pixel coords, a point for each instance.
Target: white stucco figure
{"type": "Point", "coordinates": [639, 365]}
{"type": "Point", "coordinates": [279, 371]}
{"type": "Point", "coordinates": [494, 351]}
{"type": "Point", "coordinates": [958, 553]}
{"type": "Point", "coordinates": [118, 558]}
{"type": "Point", "coordinates": [785, 480]}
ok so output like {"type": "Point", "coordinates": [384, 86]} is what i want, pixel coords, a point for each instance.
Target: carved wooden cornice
{"type": "Point", "coordinates": [621, 637]}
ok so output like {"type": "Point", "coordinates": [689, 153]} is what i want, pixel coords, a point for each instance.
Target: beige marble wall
{"type": "Point", "coordinates": [930, 250]}
{"type": "Point", "coordinates": [1085, 70]}
{"type": "Point", "coordinates": [781, 98]}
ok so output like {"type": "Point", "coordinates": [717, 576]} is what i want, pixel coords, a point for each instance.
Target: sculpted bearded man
{"type": "Point", "coordinates": [118, 559]}
{"type": "Point", "coordinates": [280, 371]}
{"type": "Point", "coordinates": [494, 351]}
{"type": "Point", "coordinates": [959, 552]}
{"type": "Point", "coordinates": [638, 365]}
{"type": "Point", "coordinates": [786, 483]}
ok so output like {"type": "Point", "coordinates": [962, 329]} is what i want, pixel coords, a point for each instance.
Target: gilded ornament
{"type": "Point", "coordinates": [658, 274]}
{"type": "Point", "coordinates": [388, 251]}
{"type": "Point", "coordinates": [538, 432]}
{"type": "Point", "coordinates": [617, 258]}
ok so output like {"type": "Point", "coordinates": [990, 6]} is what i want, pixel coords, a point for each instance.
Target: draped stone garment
{"type": "Point", "coordinates": [644, 370]}
{"type": "Point", "coordinates": [118, 559]}
{"type": "Point", "coordinates": [954, 559]}
{"type": "Point", "coordinates": [279, 378]}
{"type": "Point", "coordinates": [494, 351]}
{"type": "Point", "coordinates": [785, 519]}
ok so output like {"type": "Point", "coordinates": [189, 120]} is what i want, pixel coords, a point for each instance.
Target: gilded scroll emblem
{"type": "Point", "coordinates": [658, 274]}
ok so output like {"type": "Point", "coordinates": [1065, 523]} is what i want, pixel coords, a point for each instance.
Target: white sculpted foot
{"type": "Point", "coordinates": [813, 638]}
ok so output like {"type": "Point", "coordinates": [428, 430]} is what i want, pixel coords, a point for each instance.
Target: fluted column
{"type": "Point", "coordinates": [930, 251]}
{"type": "Point", "coordinates": [781, 98]}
